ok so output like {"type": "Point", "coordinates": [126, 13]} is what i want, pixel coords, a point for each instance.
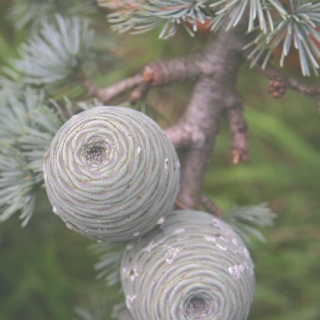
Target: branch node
{"type": "Point", "coordinates": [148, 74]}
{"type": "Point", "coordinates": [277, 87]}
{"type": "Point", "coordinates": [181, 205]}
{"type": "Point", "coordinates": [279, 83]}
{"type": "Point", "coordinates": [139, 93]}
{"type": "Point", "coordinates": [238, 129]}
{"type": "Point", "coordinates": [210, 205]}
{"type": "Point", "coordinates": [239, 155]}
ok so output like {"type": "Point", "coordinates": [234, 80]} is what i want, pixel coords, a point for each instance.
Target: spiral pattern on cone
{"type": "Point", "coordinates": [195, 268]}
{"type": "Point", "coordinates": [111, 173]}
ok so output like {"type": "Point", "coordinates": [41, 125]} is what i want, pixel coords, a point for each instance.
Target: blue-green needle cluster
{"type": "Point", "coordinates": [273, 23]}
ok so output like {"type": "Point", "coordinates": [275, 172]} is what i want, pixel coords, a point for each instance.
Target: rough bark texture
{"type": "Point", "coordinates": [214, 91]}
{"type": "Point", "coordinates": [214, 71]}
{"type": "Point", "coordinates": [238, 128]}
{"type": "Point", "coordinates": [105, 94]}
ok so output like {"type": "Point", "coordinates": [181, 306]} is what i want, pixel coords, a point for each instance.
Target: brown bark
{"type": "Point", "coordinates": [199, 125]}
{"type": "Point", "coordinates": [214, 70]}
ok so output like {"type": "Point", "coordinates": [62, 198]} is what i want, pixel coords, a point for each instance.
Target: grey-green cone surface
{"type": "Point", "coordinates": [193, 267]}
{"type": "Point", "coordinates": [111, 173]}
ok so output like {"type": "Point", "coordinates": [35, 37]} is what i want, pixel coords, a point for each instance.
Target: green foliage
{"type": "Point", "coordinates": [141, 16]}
{"type": "Point", "coordinates": [293, 24]}
{"type": "Point", "coordinates": [33, 13]}
{"type": "Point", "coordinates": [108, 266]}
{"type": "Point", "coordinates": [44, 272]}
{"type": "Point", "coordinates": [67, 51]}
{"type": "Point", "coordinates": [27, 127]}
{"type": "Point", "coordinates": [245, 220]}
{"type": "Point", "coordinates": [297, 28]}
{"type": "Point", "coordinates": [96, 310]}
{"type": "Point", "coordinates": [6, 52]}
{"type": "Point", "coordinates": [258, 9]}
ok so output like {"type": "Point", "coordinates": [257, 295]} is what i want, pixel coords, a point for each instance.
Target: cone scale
{"type": "Point", "coordinates": [193, 267]}
{"type": "Point", "coordinates": [111, 173]}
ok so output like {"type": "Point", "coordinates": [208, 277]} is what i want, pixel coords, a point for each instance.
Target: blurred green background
{"type": "Point", "coordinates": [46, 270]}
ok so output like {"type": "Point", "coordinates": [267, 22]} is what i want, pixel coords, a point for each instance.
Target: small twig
{"type": "Point", "coordinates": [106, 94]}
{"type": "Point", "coordinates": [157, 73]}
{"type": "Point", "coordinates": [298, 86]}
{"type": "Point", "coordinates": [139, 93]}
{"type": "Point", "coordinates": [210, 206]}
{"type": "Point", "coordinates": [180, 205]}
{"type": "Point", "coordinates": [280, 82]}
{"type": "Point", "coordinates": [238, 128]}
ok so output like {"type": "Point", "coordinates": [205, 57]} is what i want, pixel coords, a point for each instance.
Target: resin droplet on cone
{"type": "Point", "coordinates": [111, 173]}
{"type": "Point", "coordinates": [192, 267]}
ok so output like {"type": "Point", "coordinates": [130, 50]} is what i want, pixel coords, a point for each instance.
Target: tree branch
{"type": "Point", "coordinates": [210, 206]}
{"type": "Point", "coordinates": [157, 73]}
{"type": "Point", "coordinates": [165, 72]}
{"type": "Point", "coordinates": [198, 127]}
{"type": "Point", "coordinates": [279, 83]}
{"type": "Point", "coordinates": [139, 93]}
{"type": "Point", "coordinates": [105, 94]}
{"type": "Point", "coordinates": [202, 119]}
{"type": "Point", "coordinates": [214, 71]}
{"type": "Point", "coordinates": [237, 127]}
